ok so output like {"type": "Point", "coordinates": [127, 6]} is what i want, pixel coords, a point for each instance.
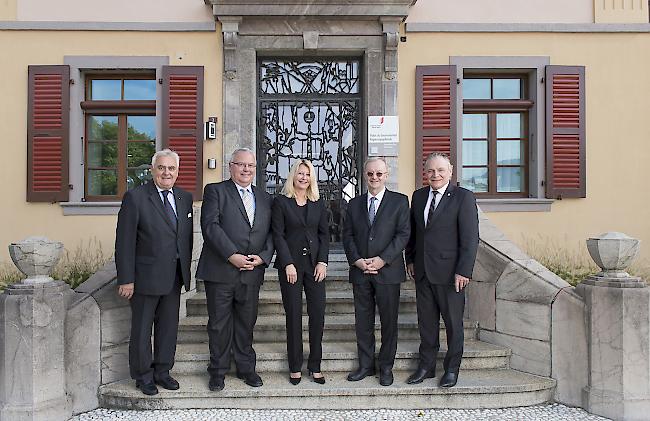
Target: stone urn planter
{"type": "Point", "coordinates": [36, 257]}
{"type": "Point", "coordinates": [613, 252]}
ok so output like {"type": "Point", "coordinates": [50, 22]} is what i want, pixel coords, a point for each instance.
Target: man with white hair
{"type": "Point", "coordinates": [153, 250]}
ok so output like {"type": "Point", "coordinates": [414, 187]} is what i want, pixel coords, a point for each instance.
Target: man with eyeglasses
{"type": "Point", "coordinates": [153, 250]}
{"type": "Point", "coordinates": [375, 232]}
{"type": "Point", "coordinates": [237, 248]}
{"type": "Point", "coordinates": [440, 256]}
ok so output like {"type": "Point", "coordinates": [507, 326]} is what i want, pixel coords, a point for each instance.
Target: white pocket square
{"type": "Point", "coordinates": [189, 215]}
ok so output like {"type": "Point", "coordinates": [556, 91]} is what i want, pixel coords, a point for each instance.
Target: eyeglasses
{"type": "Point", "coordinates": [379, 174]}
{"type": "Point", "coordinates": [244, 165]}
{"type": "Point", "coordinates": [162, 168]}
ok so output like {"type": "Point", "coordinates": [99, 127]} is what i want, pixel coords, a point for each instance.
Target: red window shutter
{"type": "Point", "coordinates": [435, 115]}
{"type": "Point", "coordinates": [48, 127]}
{"type": "Point", "coordinates": [565, 132]}
{"type": "Point", "coordinates": [183, 123]}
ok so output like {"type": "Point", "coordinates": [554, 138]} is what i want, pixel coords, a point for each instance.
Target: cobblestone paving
{"type": "Point", "coordinates": [552, 412]}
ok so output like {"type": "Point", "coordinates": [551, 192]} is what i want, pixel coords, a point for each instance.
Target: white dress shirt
{"type": "Point", "coordinates": [379, 196]}
{"type": "Point", "coordinates": [249, 189]}
{"type": "Point", "coordinates": [441, 191]}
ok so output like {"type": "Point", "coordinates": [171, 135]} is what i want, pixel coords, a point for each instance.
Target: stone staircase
{"type": "Point", "coordinates": [485, 380]}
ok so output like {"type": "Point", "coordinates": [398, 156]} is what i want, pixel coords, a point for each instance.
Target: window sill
{"type": "Point", "coordinates": [515, 205]}
{"type": "Point", "coordinates": [90, 208]}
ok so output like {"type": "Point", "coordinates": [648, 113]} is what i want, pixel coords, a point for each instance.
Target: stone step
{"type": "Point", "coordinates": [342, 356]}
{"type": "Point", "coordinates": [270, 303]}
{"type": "Point", "coordinates": [495, 388]}
{"type": "Point", "coordinates": [271, 328]}
{"type": "Point", "coordinates": [335, 281]}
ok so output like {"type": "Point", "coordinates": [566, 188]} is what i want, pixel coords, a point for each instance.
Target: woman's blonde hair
{"type": "Point", "coordinates": [312, 191]}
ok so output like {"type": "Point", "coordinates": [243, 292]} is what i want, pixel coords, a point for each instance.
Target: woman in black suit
{"type": "Point", "coordinates": [301, 237]}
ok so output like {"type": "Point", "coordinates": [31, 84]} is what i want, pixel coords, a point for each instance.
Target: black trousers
{"type": "Point", "coordinates": [433, 301]}
{"type": "Point", "coordinates": [367, 294]}
{"type": "Point", "coordinates": [161, 312]}
{"type": "Point", "coordinates": [232, 313]}
{"type": "Point", "coordinates": [292, 302]}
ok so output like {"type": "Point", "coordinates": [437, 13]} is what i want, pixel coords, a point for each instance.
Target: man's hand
{"type": "Point", "coordinates": [410, 270]}
{"type": "Point", "coordinates": [461, 282]}
{"type": "Point", "coordinates": [241, 262]}
{"type": "Point", "coordinates": [320, 271]}
{"type": "Point", "coordinates": [361, 264]}
{"type": "Point", "coordinates": [126, 290]}
{"type": "Point", "coordinates": [255, 259]}
{"type": "Point", "coordinates": [375, 264]}
{"type": "Point", "coordinates": [292, 274]}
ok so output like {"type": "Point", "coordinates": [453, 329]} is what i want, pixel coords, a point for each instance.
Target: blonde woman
{"type": "Point", "coordinates": [301, 237]}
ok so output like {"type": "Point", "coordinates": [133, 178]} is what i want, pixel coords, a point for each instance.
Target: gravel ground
{"type": "Point", "coordinates": [551, 412]}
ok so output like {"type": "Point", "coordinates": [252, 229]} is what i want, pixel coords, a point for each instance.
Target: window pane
{"type": "Point", "coordinates": [102, 182]}
{"type": "Point", "coordinates": [102, 154]}
{"type": "Point", "coordinates": [475, 179]}
{"type": "Point", "coordinates": [476, 88]}
{"type": "Point", "coordinates": [509, 152]}
{"type": "Point", "coordinates": [475, 126]}
{"type": "Point", "coordinates": [141, 127]}
{"type": "Point", "coordinates": [475, 152]}
{"type": "Point", "coordinates": [139, 154]}
{"type": "Point", "coordinates": [136, 177]}
{"type": "Point", "coordinates": [509, 126]}
{"type": "Point", "coordinates": [102, 128]}
{"type": "Point", "coordinates": [106, 89]}
{"type": "Point", "coordinates": [139, 89]}
{"type": "Point", "coordinates": [506, 88]}
{"type": "Point", "coordinates": [509, 180]}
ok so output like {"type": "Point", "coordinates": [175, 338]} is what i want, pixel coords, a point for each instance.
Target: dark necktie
{"type": "Point", "coordinates": [432, 207]}
{"type": "Point", "coordinates": [371, 210]}
{"type": "Point", "coordinates": [168, 207]}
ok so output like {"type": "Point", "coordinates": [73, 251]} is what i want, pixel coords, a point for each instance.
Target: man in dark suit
{"type": "Point", "coordinates": [237, 248]}
{"type": "Point", "coordinates": [440, 256]}
{"type": "Point", "coordinates": [153, 250]}
{"type": "Point", "coordinates": [375, 232]}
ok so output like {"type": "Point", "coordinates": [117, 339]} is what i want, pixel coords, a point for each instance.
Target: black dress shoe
{"type": "Point", "coordinates": [216, 383]}
{"type": "Point", "coordinates": [385, 376]}
{"type": "Point", "coordinates": [420, 375]}
{"type": "Point", "coordinates": [294, 380]}
{"type": "Point", "coordinates": [319, 380]}
{"type": "Point", "coordinates": [360, 374]}
{"type": "Point", "coordinates": [167, 382]}
{"type": "Point", "coordinates": [449, 380]}
{"type": "Point", "coordinates": [252, 379]}
{"type": "Point", "coordinates": [148, 388]}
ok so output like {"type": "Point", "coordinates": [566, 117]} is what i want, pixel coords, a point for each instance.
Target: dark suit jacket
{"type": "Point", "coordinates": [147, 242]}
{"type": "Point", "coordinates": [291, 232]}
{"type": "Point", "coordinates": [226, 231]}
{"type": "Point", "coordinates": [386, 238]}
{"type": "Point", "coordinates": [448, 244]}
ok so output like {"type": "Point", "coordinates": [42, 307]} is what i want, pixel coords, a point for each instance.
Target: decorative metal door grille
{"type": "Point", "coordinates": [310, 109]}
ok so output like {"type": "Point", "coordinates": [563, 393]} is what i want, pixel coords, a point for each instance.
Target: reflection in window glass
{"type": "Point", "coordinates": [509, 152]}
{"type": "Point", "coordinates": [509, 180]}
{"type": "Point", "coordinates": [139, 154]}
{"type": "Point", "coordinates": [509, 126]}
{"type": "Point", "coordinates": [102, 154]}
{"type": "Point", "coordinates": [106, 89]}
{"type": "Point", "coordinates": [102, 182]}
{"type": "Point", "coordinates": [475, 126]}
{"type": "Point", "coordinates": [137, 177]}
{"type": "Point", "coordinates": [141, 127]}
{"type": "Point", "coordinates": [476, 89]}
{"type": "Point", "coordinates": [475, 179]}
{"type": "Point", "coordinates": [475, 152]}
{"type": "Point", "coordinates": [506, 89]}
{"type": "Point", "coordinates": [139, 89]}
{"type": "Point", "coordinates": [102, 128]}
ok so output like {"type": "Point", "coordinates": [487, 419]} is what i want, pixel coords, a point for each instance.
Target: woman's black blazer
{"type": "Point", "coordinates": [291, 232]}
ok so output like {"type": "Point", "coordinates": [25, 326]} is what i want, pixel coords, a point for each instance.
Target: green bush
{"type": "Point", "coordinates": [74, 267]}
